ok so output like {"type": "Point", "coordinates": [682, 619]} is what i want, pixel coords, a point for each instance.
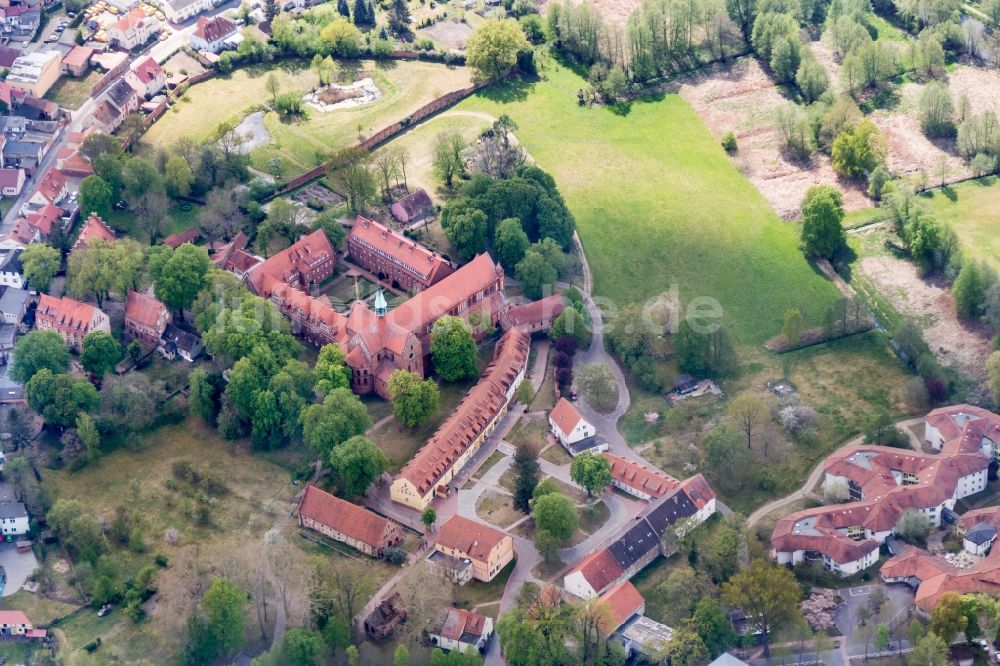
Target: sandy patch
{"type": "Point", "coordinates": [957, 344]}
{"type": "Point", "coordinates": [743, 99]}
{"type": "Point", "coordinates": [335, 96]}
{"type": "Point", "coordinates": [253, 132]}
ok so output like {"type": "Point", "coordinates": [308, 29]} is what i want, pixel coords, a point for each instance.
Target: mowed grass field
{"type": "Point", "coordinates": [658, 203]}
{"type": "Point", "coordinates": [405, 87]}
{"type": "Point", "coordinates": [971, 208]}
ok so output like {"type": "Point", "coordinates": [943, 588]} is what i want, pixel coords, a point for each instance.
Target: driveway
{"type": "Point", "coordinates": [19, 566]}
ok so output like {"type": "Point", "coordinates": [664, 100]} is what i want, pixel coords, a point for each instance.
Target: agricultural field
{"type": "Point", "coordinates": [301, 143]}
{"type": "Point", "coordinates": [644, 183]}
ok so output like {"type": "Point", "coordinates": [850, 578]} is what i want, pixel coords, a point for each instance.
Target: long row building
{"type": "Point", "coordinates": [883, 483]}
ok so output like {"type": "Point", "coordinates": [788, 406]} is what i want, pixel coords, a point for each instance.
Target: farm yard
{"type": "Point", "coordinates": [302, 144]}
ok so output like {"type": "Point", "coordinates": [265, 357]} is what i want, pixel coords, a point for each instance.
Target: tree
{"type": "Point", "coordinates": [822, 217]}
{"type": "Point", "coordinates": [89, 436]}
{"type": "Point", "coordinates": [858, 150]}
{"type": "Point", "coordinates": [348, 172]}
{"type": "Point", "coordinates": [448, 162]}
{"type": "Point", "coordinates": [98, 144]}
{"type": "Point", "coordinates": [19, 427]}
{"type": "Point", "coordinates": [465, 229]}
{"type": "Point", "coordinates": [510, 242]}
{"type": "Point", "coordinates": [793, 326]}
{"type": "Point", "coordinates": [493, 47]}
{"type": "Point", "coordinates": [40, 264]}
{"type": "Point", "coordinates": [399, 18]}
{"type": "Point", "coordinates": [592, 472]}
{"type": "Point", "coordinates": [99, 353]}
{"type": "Point", "coordinates": [686, 648]}
{"type": "Point", "coordinates": [203, 397]}
{"type": "Point", "coordinates": [184, 274]}
{"type": "Point", "coordinates": [598, 385]}
{"type": "Point", "coordinates": [401, 657]}
{"type": "Point", "coordinates": [572, 324]}
{"type": "Point", "coordinates": [453, 349]}
{"type": "Point", "coordinates": [221, 217]}
{"type": "Point", "coordinates": [331, 371]}
{"type": "Point", "coordinates": [768, 594]}
{"type": "Point", "coordinates": [929, 650]}
{"type": "Point", "coordinates": [428, 517]}
{"type": "Point", "coordinates": [748, 414]}
{"type": "Point", "coordinates": [343, 38]}
{"type": "Point", "coordinates": [937, 113]}
{"type": "Point", "coordinates": [131, 403]}
{"type": "Point", "coordinates": [95, 196]}
{"type": "Point", "coordinates": [357, 462]}
{"type": "Point", "coordinates": [948, 619]}
{"type": "Point", "coordinates": [536, 274]}
{"type": "Point", "coordinates": [339, 417]}
{"type": "Point", "coordinates": [36, 351]}
{"type": "Point", "coordinates": [273, 86]}
{"type": "Point", "coordinates": [713, 626]}
{"type": "Point", "coordinates": [526, 466]}
{"type": "Point", "coordinates": [225, 609]}
{"type": "Point", "coordinates": [302, 647]}
{"type": "Point", "coordinates": [684, 587]}
{"type": "Point", "coordinates": [414, 399]}
{"type": "Point", "coordinates": [913, 526]}
{"type": "Point", "coordinates": [141, 176]}
{"type": "Point", "coordinates": [178, 176]}
{"type": "Point", "coordinates": [812, 79]}
{"type": "Point", "coordinates": [101, 268]}
{"type": "Point", "coordinates": [555, 514]}
{"type": "Point", "coordinates": [59, 398]}
{"type": "Point", "coordinates": [970, 287]}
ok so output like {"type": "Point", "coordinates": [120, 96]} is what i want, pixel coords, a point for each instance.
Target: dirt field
{"type": "Point", "coordinates": [956, 344]}
{"type": "Point", "coordinates": [742, 98]}
{"type": "Point", "coordinates": [452, 34]}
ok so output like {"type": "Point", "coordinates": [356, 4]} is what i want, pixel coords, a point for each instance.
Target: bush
{"type": "Point", "coordinates": [394, 555]}
{"type": "Point", "coordinates": [729, 142]}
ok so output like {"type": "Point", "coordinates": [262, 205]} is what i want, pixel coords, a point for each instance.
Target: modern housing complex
{"type": "Point", "coordinates": [883, 483]}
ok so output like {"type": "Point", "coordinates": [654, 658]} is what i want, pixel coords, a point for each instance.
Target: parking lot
{"type": "Point", "coordinates": [895, 612]}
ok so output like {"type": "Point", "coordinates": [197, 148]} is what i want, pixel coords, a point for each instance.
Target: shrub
{"type": "Point", "coordinates": [729, 142]}
{"type": "Point", "coordinates": [394, 555]}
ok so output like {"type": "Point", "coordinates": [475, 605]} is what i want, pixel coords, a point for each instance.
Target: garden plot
{"type": "Point", "coordinates": [451, 34]}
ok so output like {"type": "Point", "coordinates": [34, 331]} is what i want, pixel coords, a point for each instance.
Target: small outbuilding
{"type": "Point", "coordinates": [979, 538]}
{"type": "Point", "coordinates": [415, 207]}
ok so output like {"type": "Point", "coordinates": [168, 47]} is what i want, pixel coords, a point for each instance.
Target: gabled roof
{"type": "Point", "coordinates": [147, 71]}
{"type": "Point", "coordinates": [43, 218]}
{"type": "Point", "coordinates": [11, 177]}
{"type": "Point", "coordinates": [294, 260]}
{"type": "Point", "coordinates": [94, 229]}
{"type": "Point", "coordinates": [14, 617]}
{"type": "Point", "coordinates": [214, 29]}
{"type": "Point", "coordinates": [537, 312]}
{"type": "Point", "coordinates": [8, 56]}
{"type": "Point", "coordinates": [474, 539]}
{"type": "Point", "coordinates": [650, 481]}
{"type": "Point", "coordinates": [622, 601]}
{"type": "Point", "coordinates": [350, 519]}
{"type": "Point", "coordinates": [416, 202]}
{"type": "Point", "coordinates": [121, 93]}
{"type": "Point", "coordinates": [600, 569]}
{"type": "Point", "coordinates": [187, 236]}
{"type": "Point", "coordinates": [144, 310]}
{"type": "Point", "coordinates": [426, 264]}
{"type": "Point", "coordinates": [565, 416]}
{"type": "Point", "coordinates": [459, 624]}
{"type": "Point", "coordinates": [66, 312]}
{"type": "Point", "coordinates": [53, 184]}
{"type": "Point", "coordinates": [78, 56]}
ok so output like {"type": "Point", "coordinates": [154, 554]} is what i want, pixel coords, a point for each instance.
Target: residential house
{"type": "Point", "coordinates": [639, 480]}
{"type": "Point", "coordinates": [178, 342]}
{"type": "Point", "coordinates": [213, 34]}
{"type": "Point", "coordinates": [12, 270]}
{"type": "Point", "coordinates": [536, 316]}
{"type": "Point", "coordinates": [979, 538]}
{"type": "Point", "coordinates": [174, 241]}
{"type": "Point", "coordinates": [882, 483]}
{"type": "Point", "coordinates": [14, 623]}
{"type": "Point", "coordinates": [178, 11]}
{"type": "Point", "coordinates": [106, 118]}
{"type": "Point", "coordinates": [644, 638]}
{"type": "Point", "coordinates": [24, 154]}
{"type": "Point", "coordinates": [11, 182]}
{"type": "Point", "coordinates": [77, 61]}
{"type": "Point", "coordinates": [7, 56]}
{"type": "Point", "coordinates": [132, 30]}
{"type": "Point", "coordinates": [13, 304]}
{"type": "Point", "coordinates": [19, 21]}
{"type": "Point", "coordinates": [488, 549]}
{"type": "Point", "coordinates": [349, 523]}
{"type": "Point", "coordinates": [622, 602]}
{"type": "Point", "coordinates": [145, 318]}
{"type": "Point", "coordinates": [574, 432]}
{"type": "Point", "coordinates": [147, 77]}
{"type": "Point", "coordinates": [432, 468]}
{"type": "Point", "coordinates": [34, 73]}
{"type": "Point", "coordinates": [70, 318]}
{"type": "Point", "coordinates": [414, 208]}
{"type": "Point", "coordinates": [51, 188]}
{"type": "Point", "coordinates": [124, 97]}
{"type": "Point", "coordinates": [386, 618]}
{"type": "Point", "coordinates": [44, 220]}
{"type": "Point", "coordinates": [13, 519]}
{"type": "Point", "coordinates": [462, 630]}
{"type": "Point", "coordinates": [94, 229]}
{"type": "Point", "coordinates": [654, 532]}
{"type": "Point", "coordinates": [395, 258]}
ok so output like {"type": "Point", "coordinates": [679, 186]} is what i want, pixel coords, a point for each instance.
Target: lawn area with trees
{"type": "Point", "coordinates": [658, 203]}
{"type": "Point", "coordinates": [405, 87]}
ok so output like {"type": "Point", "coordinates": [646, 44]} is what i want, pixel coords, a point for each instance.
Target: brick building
{"type": "Point", "coordinates": [488, 549]}
{"type": "Point", "coordinates": [70, 318]}
{"type": "Point", "coordinates": [395, 258]}
{"type": "Point", "coordinates": [349, 523]}
{"type": "Point", "coordinates": [145, 318]}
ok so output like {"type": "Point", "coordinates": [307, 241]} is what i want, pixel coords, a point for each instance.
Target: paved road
{"type": "Point", "coordinates": [179, 37]}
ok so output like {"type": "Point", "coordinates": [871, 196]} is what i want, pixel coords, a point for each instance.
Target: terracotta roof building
{"type": "Point", "coordinates": [93, 229]}
{"type": "Point", "coordinates": [488, 549]}
{"type": "Point", "coordinates": [413, 208]}
{"type": "Point", "coordinates": [145, 318]}
{"type": "Point", "coordinates": [622, 602]}
{"type": "Point", "coordinates": [70, 318]}
{"type": "Point", "coordinates": [174, 241]}
{"type": "Point", "coordinates": [433, 467]}
{"type": "Point", "coordinates": [51, 189]}
{"type": "Point", "coordinates": [574, 432]}
{"type": "Point", "coordinates": [211, 34]}
{"type": "Point", "coordinates": [639, 480]}
{"type": "Point", "coordinates": [394, 258]}
{"type": "Point", "coordinates": [462, 630]}
{"type": "Point", "coordinates": [883, 483]}
{"type": "Point", "coordinates": [346, 522]}
{"type": "Point", "coordinates": [535, 316]}
{"type": "Point", "coordinates": [77, 61]}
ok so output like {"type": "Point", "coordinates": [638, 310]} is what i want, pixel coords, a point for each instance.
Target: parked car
{"type": "Point", "coordinates": [105, 609]}
{"type": "Point", "coordinates": [60, 28]}
{"type": "Point", "coordinates": [52, 38]}
{"type": "Point", "coordinates": [121, 205]}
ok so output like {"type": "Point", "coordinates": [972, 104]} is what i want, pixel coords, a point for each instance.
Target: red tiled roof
{"type": "Point", "coordinates": [187, 236]}
{"type": "Point", "coordinates": [296, 259]}
{"type": "Point", "coordinates": [565, 415]}
{"type": "Point", "coordinates": [652, 482]}
{"type": "Point", "coordinates": [429, 266]}
{"type": "Point", "coordinates": [10, 617]}
{"type": "Point", "coordinates": [53, 183]}
{"type": "Point", "coordinates": [600, 569]}
{"type": "Point", "coordinates": [65, 312]}
{"type": "Point", "coordinates": [537, 312]}
{"type": "Point", "coordinates": [147, 71]}
{"type": "Point", "coordinates": [622, 601]}
{"type": "Point", "coordinates": [470, 537]}
{"type": "Point", "coordinates": [453, 623]}
{"type": "Point", "coordinates": [415, 202]}
{"type": "Point", "coordinates": [480, 405]}
{"type": "Point", "coordinates": [350, 519]}
{"type": "Point", "coordinates": [214, 29]}
{"type": "Point", "coordinates": [94, 229]}
{"type": "Point", "coordinates": [144, 310]}
{"type": "Point", "coordinates": [78, 56]}
{"type": "Point", "coordinates": [10, 177]}
{"type": "Point", "coordinates": [43, 218]}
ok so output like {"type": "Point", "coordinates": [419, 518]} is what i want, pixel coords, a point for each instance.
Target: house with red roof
{"type": "Point", "coordinates": [621, 603]}
{"type": "Point", "coordinates": [575, 433]}
{"type": "Point", "coordinates": [133, 29]}
{"type": "Point", "coordinates": [70, 318]}
{"type": "Point", "coordinates": [214, 34]}
{"type": "Point", "coordinates": [51, 188]}
{"type": "Point", "coordinates": [487, 549]}
{"type": "Point", "coordinates": [639, 480]}
{"type": "Point", "coordinates": [147, 77]}
{"type": "Point", "coordinates": [536, 316]}
{"type": "Point", "coordinates": [14, 623]}
{"type": "Point", "coordinates": [11, 182]}
{"type": "Point", "coordinates": [348, 523]}
{"type": "Point", "coordinates": [94, 229]}
{"type": "Point", "coordinates": [414, 208]}
{"type": "Point", "coordinates": [145, 318]}
{"type": "Point", "coordinates": [77, 61]}
{"type": "Point", "coordinates": [393, 257]}
{"type": "Point", "coordinates": [462, 630]}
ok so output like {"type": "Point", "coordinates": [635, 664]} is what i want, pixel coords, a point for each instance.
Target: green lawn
{"type": "Point", "coordinates": [125, 221]}
{"type": "Point", "coordinates": [70, 92]}
{"type": "Point", "coordinates": [657, 202]}
{"type": "Point", "coordinates": [405, 86]}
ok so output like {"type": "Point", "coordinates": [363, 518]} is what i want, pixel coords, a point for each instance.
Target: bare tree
{"type": "Point", "coordinates": [748, 413]}
{"type": "Point", "coordinates": [387, 166]}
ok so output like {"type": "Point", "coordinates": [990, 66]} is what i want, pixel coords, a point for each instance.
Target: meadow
{"type": "Point", "coordinates": [405, 87]}
{"type": "Point", "coordinates": [658, 203]}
